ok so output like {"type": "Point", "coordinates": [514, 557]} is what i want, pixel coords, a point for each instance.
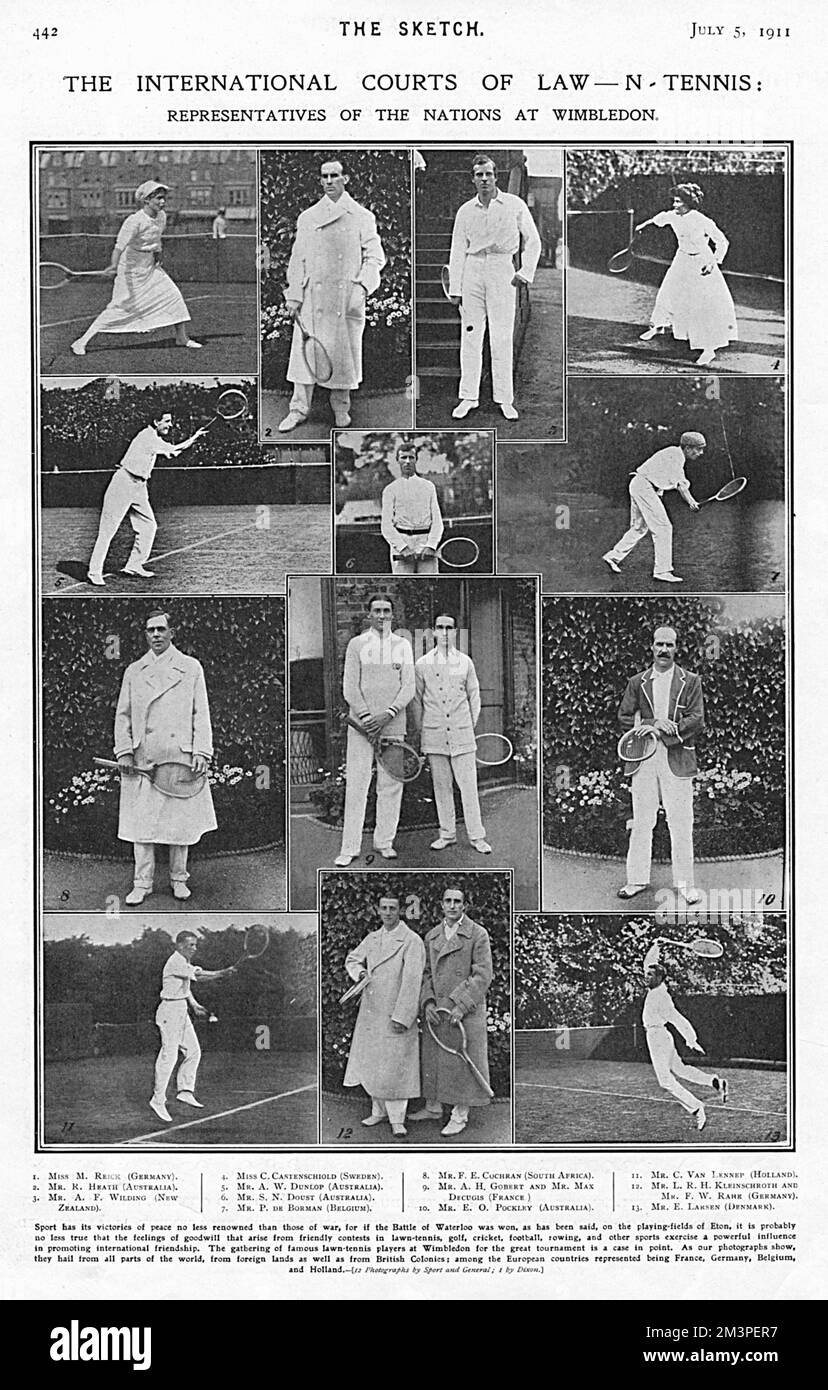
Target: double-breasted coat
{"type": "Point", "coordinates": [163, 716]}
{"type": "Point", "coordinates": [335, 264]}
{"type": "Point", "coordinates": [685, 707]}
{"type": "Point", "coordinates": [457, 975]}
{"type": "Point", "coordinates": [384, 1062]}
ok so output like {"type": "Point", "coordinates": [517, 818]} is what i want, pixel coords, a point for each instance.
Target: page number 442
{"type": "Point", "coordinates": [46, 32]}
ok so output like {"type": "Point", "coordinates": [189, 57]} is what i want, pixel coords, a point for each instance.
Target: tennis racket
{"type": "Point", "coordinates": [316, 358]}
{"type": "Point", "coordinates": [171, 779]}
{"type": "Point", "coordinates": [458, 552]}
{"type": "Point", "coordinates": [710, 950]}
{"type": "Point", "coordinates": [231, 405]}
{"type": "Point", "coordinates": [461, 1051]}
{"type": "Point", "coordinates": [638, 744]}
{"type": "Point", "coordinates": [256, 942]}
{"type": "Point", "coordinates": [731, 489]}
{"type": "Point", "coordinates": [493, 750]}
{"type": "Point", "coordinates": [52, 275]}
{"type": "Point", "coordinates": [400, 760]}
{"type": "Point", "coordinates": [445, 281]}
{"type": "Point", "coordinates": [622, 260]}
{"type": "Point", "coordinates": [355, 989]}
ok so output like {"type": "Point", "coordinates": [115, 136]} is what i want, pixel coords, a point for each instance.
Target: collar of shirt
{"type": "Point", "coordinates": [451, 929]}
{"type": "Point", "coordinates": [160, 658]}
{"type": "Point", "coordinates": [498, 198]}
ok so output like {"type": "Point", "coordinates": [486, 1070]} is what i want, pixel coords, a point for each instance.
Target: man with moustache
{"type": "Point", "coordinates": [163, 717]}
{"type": "Point", "coordinates": [458, 972]}
{"type": "Point", "coordinates": [669, 699]}
{"type": "Point", "coordinates": [378, 684]}
{"type": "Point", "coordinates": [384, 1057]}
{"type": "Point", "coordinates": [411, 520]}
{"type": "Point", "coordinates": [446, 709]}
{"type": "Point", "coordinates": [335, 264]}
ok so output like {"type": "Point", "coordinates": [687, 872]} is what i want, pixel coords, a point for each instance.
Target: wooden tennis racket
{"type": "Point", "coordinates": [622, 260]}
{"type": "Point", "coordinates": [400, 760]}
{"type": "Point", "coordinates": [702, 946]}
{"type": "Point", "coordinates": [356, 989]}
{"type": "Point", "coordinates": [256, 942]}
{"type": "Point", "coordinates": [171, 779]}
{"type": "Point", "coordinates": [458, 552]}
{"type": "Point", "coordinates": [316, 358]}
{"type": "Point", "coordinates": [231, 405]}
{"type": "Point", "coordinates": [460, 1051]}
{"type": "Point", "coordinates": [731, 489]}
{"type": "Point", "coordinates": [493, 750]}
{"type": "Point", "coordinates": [638, 744]}
{"type": "Point", "coordinates": [52, 275]}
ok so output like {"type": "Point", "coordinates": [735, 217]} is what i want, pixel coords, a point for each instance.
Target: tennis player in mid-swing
{"type": "Point", "coordinates": [659, 1010]}
{"type": "Point", "coordinates": [178, 1036]}
{"type": "Point", "coordinates": [660, 473]}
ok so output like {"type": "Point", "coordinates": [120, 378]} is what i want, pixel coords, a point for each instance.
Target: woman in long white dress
{"type": "Point", "coordinates": [693, 300]}
{"type": "Point", "coordinates": [143, 295]}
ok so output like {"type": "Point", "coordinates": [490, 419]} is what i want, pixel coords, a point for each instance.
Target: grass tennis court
{"type": "Point", "coordinates": [263, 1098]}
{"type": "Point", "coordinates": [606, 313]}
{"type": "Point", "coordinates": [210, 549]}
{"type": "Point", "coordinates": [223, 320]}
{"type": "Point", "coordinates": [577, 1101]}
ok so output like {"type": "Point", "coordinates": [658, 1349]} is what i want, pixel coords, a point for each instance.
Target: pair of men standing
{"type": "Point", "coordinates": [408, 978]}
{"type": "Point", "coordinates": [380, 681]}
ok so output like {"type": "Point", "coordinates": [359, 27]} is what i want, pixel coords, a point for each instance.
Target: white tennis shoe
{"type": "Point", "coordinates": [160, 1108]}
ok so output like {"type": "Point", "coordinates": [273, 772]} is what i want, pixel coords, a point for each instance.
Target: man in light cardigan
{"type": "Point", "coordinates": [378, 684]}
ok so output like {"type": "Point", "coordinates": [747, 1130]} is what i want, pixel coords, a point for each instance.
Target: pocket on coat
{"type": "Point", "coordinates": [356, 303]}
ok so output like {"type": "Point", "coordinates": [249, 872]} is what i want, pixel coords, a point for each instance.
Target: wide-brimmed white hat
{"type": "Point", "coordinates": [146, 190]}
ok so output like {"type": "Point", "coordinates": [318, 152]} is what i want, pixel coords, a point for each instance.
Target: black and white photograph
{"type": "Point", "coordinates": [159, 485]}
{"type": "Point", "coordinates": [414, 503]}
{"type": "Point", "coordinates": [664, 759]}
{"type": "Point", "coordinates": [660, 483]}
{"type": "Point", "coordinates": [416, 1009]}
{"type": "Point", "coordinates": [412, 727]}
{"type": "Point", "coordinates": [636, 1031]}
{"type": "Point", "coordinates": [676, 260]}
{"type": "Point", "coordinates": [488, 289]}
{"type": "Point", "coordinates": [147, 260]}
{"type": "Point", "coordinates": [163, 755]}
{"type": "Point", "coordinates": [160, 1033]}
{"type": "Point", "coordinates": [335, 286]}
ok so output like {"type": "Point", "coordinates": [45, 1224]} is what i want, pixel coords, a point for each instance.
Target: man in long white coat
{"type": "Point", "coordinates": [163, 717]}
{"type": "Point", "coordinates": [335, 264]}
{"type": "Point", "coordinates": [385, 1049]}
{"type": "Point", "coordinates": [446, 709]}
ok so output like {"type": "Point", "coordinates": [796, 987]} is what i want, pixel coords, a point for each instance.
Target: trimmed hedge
{"type": "Point", "coordinates": [381, 181]}
{"type": "Point", "coordinates": [86, 649]}
{"type": "Point", "coordinates": [348, 912]}
{"type": "Point", "coordinates": [591, 647]}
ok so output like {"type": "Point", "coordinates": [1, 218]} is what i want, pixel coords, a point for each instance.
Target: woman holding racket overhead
{"type": "Point", "coordinates": [659, 1010]}
{"type": "Point", "coordinates": [693, 301]}
{"type": "Point", "coordinates": [335, 264]}
{"type": "Point", "coordinates": [143, 296]}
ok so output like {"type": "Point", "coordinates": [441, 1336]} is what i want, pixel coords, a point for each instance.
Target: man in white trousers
{"type": "Point", "coordinates": [178, 1036]}
{"type": "Point", "coordinates": [663, 471]}
{"type": "Point", "coordinates": [490, 231]}
{"type": "Point", "coordinates": [659, 1010]}
{"type": "Point", "coordinates": [128, 494]}
{"type": "Point", "coordinates": [412, 523]}
{"type": "Point", "coordinates": [378, 684]}
{"type": "Point", "coordinates": [446, 709]}
{"type": "Point", "coordinates": [669, 699]}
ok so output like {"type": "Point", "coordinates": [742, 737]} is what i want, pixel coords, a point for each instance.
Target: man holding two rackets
{"type": "Point", "coordinates": [661, 472]}
{"type": "Point", "coordinates": [446, 709]}
{"type": "Point", "coordinates": [412, 523]}
{"type": "Point", "coordinates": [378, 684]}
{"type": "Point", "coordinates": [458, 972]}
{"type": "Point", "coordinates": [659, 1010]}
{"type": "Point", "coordinates": [669, 699]}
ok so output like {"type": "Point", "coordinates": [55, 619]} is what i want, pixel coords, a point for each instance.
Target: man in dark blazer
{"type": "Point", "coordinates": [458, 972]}
{"type": "Point", "coordinates": [669, 698]}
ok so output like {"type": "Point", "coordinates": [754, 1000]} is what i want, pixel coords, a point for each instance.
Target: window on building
{"type": "Point", "coordinates": [238, 197]}
{"type": "Point", "coordinates": [91, 197]}
{"type": "Point", "coordinates": [124, 198]}
{"type": "Point", "coordinates": [201, 197]}
{"type": "Point", "coordinates": [57, 198]}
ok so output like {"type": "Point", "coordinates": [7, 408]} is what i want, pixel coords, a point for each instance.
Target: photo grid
{"type": "Point", "coordinates": [413, 610]}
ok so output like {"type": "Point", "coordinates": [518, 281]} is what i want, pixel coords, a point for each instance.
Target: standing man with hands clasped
{"type": "Point", "coordinates": [411, 520]}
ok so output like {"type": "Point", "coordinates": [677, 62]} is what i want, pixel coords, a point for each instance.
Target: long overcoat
{"type": "Point", "coordinates": [384, 1062]}
{"type": "Point", "coordinates": [335, 264]}
{"type": "Point", "coordinates": [457, 974]}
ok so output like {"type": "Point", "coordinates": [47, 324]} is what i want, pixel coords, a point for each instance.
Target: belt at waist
{"type": "Point", "coordinates": [486, 252]}
{"type": "Point", "coordinates": [135, 476]}
{"type": "Point", "coordinates": [165, 1000]}
{"type": "Point", "coordinates": [406, 531]}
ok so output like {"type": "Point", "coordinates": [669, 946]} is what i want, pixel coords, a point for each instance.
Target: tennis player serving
{"type": "Point", "coordinates": [659, 1010]}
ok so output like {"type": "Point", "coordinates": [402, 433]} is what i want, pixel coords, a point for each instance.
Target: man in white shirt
{"type": "Point", "coordinates": [663, 471]}
{"type": "Point", "coordinates": [669, 699]}
{"type": "Point", "coordinates": [173, 1020]}
{"type": "Point", "coordinates": [411, 520]}
{"type": "Point", "coordinates": [127, 494]}
{"type": "Point", "coordinates": [378, 684]}
{"type": "Point", "coordinates": [659, 1010]}
{"type": "Point", "coordinates": [489, 232]}
{"type": "Point", "coordinates": [220, 225]}
{"type": "Point", "coordinates": [446, 709]}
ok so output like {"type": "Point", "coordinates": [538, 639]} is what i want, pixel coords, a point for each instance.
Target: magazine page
{"type": "Point", "coordinates": [404, 894]}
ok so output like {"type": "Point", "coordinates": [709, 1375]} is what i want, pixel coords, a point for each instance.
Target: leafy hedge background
{"type": "Point", "coordinates": [581, 971]}
{"type": "Point", "coordinates": [591, 647]}
{"type": "Point", "coordinates": [240, 644]}
{"type": "Point", "coordinates": [380, 180]}
{"type": "Point", "coordinates": [348, 912]}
